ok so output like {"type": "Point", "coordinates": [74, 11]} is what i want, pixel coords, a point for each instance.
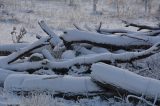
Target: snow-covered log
{"type": "Point", "coordinates": [105, 57]}
{"type": "Point", "coordinates": [82, 50]}
{"type": "Point", "coordinates": [55, 40]}
{"type": "Point", "coordinates": [48, 55]}
{"type": "Point", "coordinates": [26, 66]}
{"type": "Point", "coordinates": [141, 27]}
{"type": "Point", "coordinates": [125, 80]}
{"type": "Point", "coordinates": [6, 49]}
{"type": "Point", "coordinates": [64, 65]}
{"type": "Point", "coordinates": [112, 42]}
{"type": "Point", "coordinates": [3, 75]}
{"type": "Point", "coordinates": [114, 31]}
{"type": "Point", "coordinates": [16, 55]}
{"type": "Point", "coordinates": [54, 84]}
{"type": "Point", "coordinates": [143, 34]}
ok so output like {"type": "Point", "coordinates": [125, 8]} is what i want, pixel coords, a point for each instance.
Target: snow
{"type": "Point", "coordinates": [60, 16]}
{"type": "Point", "coordinates": [126, 80]}
{"type": "Point", "coordinates": [13, 56]}
{"type": "Point", "coordinates": [48, 55]}
{"type": "Point", "coordinates": [75, 35]}
{"type": "Point", "coordinates": [100, 50]}
{"type": "Point", "coordinates": [12, 47]}
{"type": "Point", "coordinates": [53, 83]}
{"type": "Point", "coordinates": [4, 73]}
{"type": "Point", "coordinates": [108, 57]}
{"type": "Point", "coordinates": [37, 55]}
{"type": "Point", "coordinates": [69, 54]}
{"type": "Point", "coordinates": [55, 40]}
{"type": "Point", "coordinates": [82, 50]}
{"type": "Point", "coordinates": [21, 67]}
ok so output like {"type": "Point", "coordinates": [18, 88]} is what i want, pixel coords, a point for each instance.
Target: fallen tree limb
{"type": "Point", "coordinates": [48, 55]}
{"type": "Point", "coordinates": [105, 57]}
{"type": "Point", "coordinates": [77, 27]}
{"type": "Point", "coordinates": [114, 31]}
{"type": "Point", "coordinates": [112, 42]}
{"type": "Point", "coordinates": [16, 55]}
{"type": "Point", "coordinates": [55, 40]}
{"type": "Point", "coordinates": [7, 49]}
{"type": "Point", "coordinates": [26, 66]}
{"type": "Point", "coordinates": [53, 84]}
{"type": "Point", "coordinates": [135, 37]}
{"type": "Point", "coordinates": [63, 66]}
{"type": "Point", "coordinates": [141, 27]}
{"type": "Point", "coordinates": [124, 80]}
{"type": "Point", "coordinates": [6, 61]}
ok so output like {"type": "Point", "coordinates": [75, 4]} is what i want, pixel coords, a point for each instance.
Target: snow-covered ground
{"type": "Point", "coordinates": [60, 16]}
{"type": "Point", "coordinates": [46, 100]}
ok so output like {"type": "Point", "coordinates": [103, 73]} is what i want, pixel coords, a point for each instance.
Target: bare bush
{"type": "Point", "coordinates": [17, 38]}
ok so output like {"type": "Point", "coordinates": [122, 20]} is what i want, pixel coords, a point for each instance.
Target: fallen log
{"type": "Point", "coordinates": [53, 84]}
{"type": "Point", "coordinates": [152, 33]}
{"type": "Point", "coordinates": [16, 55]}
{"type": "Point", "coordinates": [125, 81]}
{"type": "Point", "coordinates": [63, 66]}
{"type": "Point", "coordinates": [112, 42]}
{"type": "Point", "coordinates": [7, 49]}
{"type": "Point", "coordinates": [6, 61]}
{"type": "Point", "coordinates": [105, 57]}
{"type": "Point", "coordinates": [48, 55]}
{"type": "Point", "coordinates": [141, 27]}
{"type": "Point", "coordinates": [55, 40]}
{"type": "Point", "coordinates": [114, 31]}
{"type": "Point", "coordinates": [4, 73]}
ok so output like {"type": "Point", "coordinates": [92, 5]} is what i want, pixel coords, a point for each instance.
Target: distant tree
{"type": "Point", "coordinates": [95, 2]}
{"type": "Point", "coordinates": [71, 2]}
{"type": "Point", "coordinates": [1, 5]}
{"type": "Point", "coordinates": [148, 6]}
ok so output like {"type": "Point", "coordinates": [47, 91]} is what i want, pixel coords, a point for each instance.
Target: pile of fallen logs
{"type": "Point", "coordinates": [97, 49]}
